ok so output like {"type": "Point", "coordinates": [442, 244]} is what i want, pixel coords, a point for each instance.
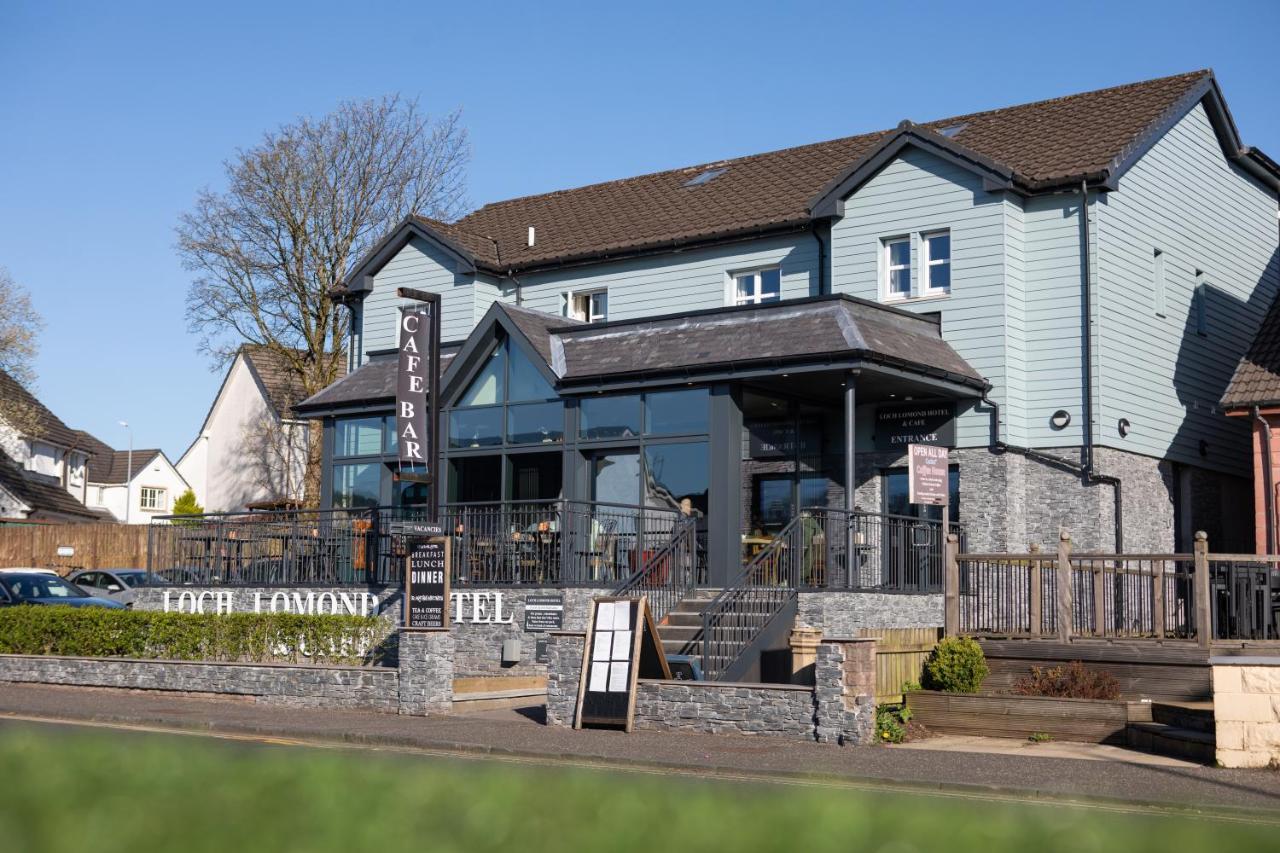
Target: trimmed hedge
{"type": "Point", "coordinates": [241, 637]}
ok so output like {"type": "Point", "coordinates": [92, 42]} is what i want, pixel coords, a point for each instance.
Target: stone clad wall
{"type": "Point", "coordinates": [844, 673]}
{"type": "Point", "coordinates": [841, 614]}
{"type": "Point", "coordinates": [426, 672]}
{"type": "Point", "coordinates": [564, 672]}
{"type": "Point", "coordinates": [348, 687]}
{"type": "Point", "coordinates": [714, 707]}
{"type": "Point", "coordinates": [1246, 710]}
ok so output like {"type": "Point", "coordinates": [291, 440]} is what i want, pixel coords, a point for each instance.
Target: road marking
{"type": "Point", "coordinates": [601, 764]}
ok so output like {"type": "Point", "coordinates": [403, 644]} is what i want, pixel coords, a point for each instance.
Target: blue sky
{"type": "Point", "coordinates": [112, 116]}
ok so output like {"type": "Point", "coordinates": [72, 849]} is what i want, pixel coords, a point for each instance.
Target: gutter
{"type": "Point", "coordinates": [1268, 476]}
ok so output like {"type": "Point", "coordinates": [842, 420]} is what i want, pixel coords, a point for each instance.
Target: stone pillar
{"type": "Point", "coordinates": [804, 651]}
{"type": "Point", "coordinates": [844, 674]}
{"type": "Point", "coordinates": [426, 672]}
{"type": "Point", "coordinates": [1246, 711]}
{"type": "Point", "coordinates": [564, 671]}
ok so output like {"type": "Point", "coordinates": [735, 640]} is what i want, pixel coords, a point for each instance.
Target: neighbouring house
{"type": "Point", "coordinates": [134, 494]}
{"type": "Point", "coordinates": [251, 451]}
{"type": "Point", "coordinates": [1057, 292]}
{"type": "Point", "coordinates": [43, 461]}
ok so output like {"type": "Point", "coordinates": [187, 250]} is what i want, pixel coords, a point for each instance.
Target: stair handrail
{"type": "Point", "coordinates": [744, 608]}
{"type": "Point", "coordinates": [670, 574]}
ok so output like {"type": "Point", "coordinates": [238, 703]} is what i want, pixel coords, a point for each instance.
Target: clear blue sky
{"type": "Point", "coordinates": [112, 116]}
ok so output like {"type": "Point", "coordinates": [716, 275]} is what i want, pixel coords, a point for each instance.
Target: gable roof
{"type": "Point", "coordinates": [49, 426]}
{"type": "Point", "coordinates": [1256, 381]}
{"type": "Point", "coordinates": [108, 466]}
{"type": "Point", "coordinates": [280, 384]}
{"type": "Point", "coordinates": [371, 384]}
{"type": "Point", "coordinates": [1030, 148]}
{"type": "Point", "coordinates": [42, 493]}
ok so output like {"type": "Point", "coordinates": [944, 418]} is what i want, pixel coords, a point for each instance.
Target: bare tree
{"type": "Point", "coordinates": [298, 210]}
{"type": "Point", "coordinates": [20, 326]}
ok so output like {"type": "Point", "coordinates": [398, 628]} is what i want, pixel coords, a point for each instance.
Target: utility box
{"type": "Point", "coordinates": [511, 651]}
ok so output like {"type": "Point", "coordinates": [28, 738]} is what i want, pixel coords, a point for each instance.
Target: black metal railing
{"type": "Point", "coordinates": [670, 574]}
{"type": "Point", "coordinates": [872, 552]}
{"type": "Point", "coordinates": [1244, 598]}
{"type": "Point", "coordinates": [528, 543]}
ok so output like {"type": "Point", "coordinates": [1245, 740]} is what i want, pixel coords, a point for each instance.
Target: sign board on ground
{"type": "Point", "coordinates": [544, 612]}
{"type": "Point", "coordinates": [927, 474]}
{"type": "Point", "coordinates": [621, 646]}
{"type": "Point", "coordinates": [915, 423]}
{"type": "Point", "coordinates": [426, 588]}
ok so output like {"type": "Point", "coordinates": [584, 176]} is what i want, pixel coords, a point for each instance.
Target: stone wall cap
{"type": "Point", "coordinates": [1244, 660]}
{"type": "Point", "coordinates": [238, 663]}
{"type": "Point", "coordinates": [728, 684]}
{"type": "Point", "coordinates": [849, 639]}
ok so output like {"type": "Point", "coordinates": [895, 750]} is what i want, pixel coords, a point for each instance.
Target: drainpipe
{"type": "Point", "coordinates": [1268, 476]}
{"type": "Point", "coordinates": [822, 264]}
{"type": "Point", "coordinates": [1086, 357]}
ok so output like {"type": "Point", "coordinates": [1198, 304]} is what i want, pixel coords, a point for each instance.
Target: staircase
{"type": "Point", "coordinates": [1177, 729]}
{"type": "Point", "coordinates": [681, 633]}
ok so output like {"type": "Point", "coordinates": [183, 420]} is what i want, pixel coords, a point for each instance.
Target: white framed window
{"type": "Point", "coordinates": [756, 287]}
{"type": "Point", "coordinates": [897, 268]}
{"type": "Point", "coordinates": [591, 306]}
{"type": "Point", "coordinates": [936, 247]}
{"type": "Point", "coordinates": [152, 498]}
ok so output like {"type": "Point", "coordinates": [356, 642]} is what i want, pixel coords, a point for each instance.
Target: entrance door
{"type": "Point", "coordinates": [914, 549]}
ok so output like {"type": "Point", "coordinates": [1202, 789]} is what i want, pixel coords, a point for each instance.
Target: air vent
{"type": "Point", "coordinates": [706, 177]}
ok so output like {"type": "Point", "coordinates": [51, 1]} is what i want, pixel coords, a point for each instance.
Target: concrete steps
{"type": "Point", "coordinates": [1177, 729]}
{"type": "Point", "coordinates": [681, 631]}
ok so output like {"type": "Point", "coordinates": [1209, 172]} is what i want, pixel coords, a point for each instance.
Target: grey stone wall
{"type": "Point", "coordinates": [844, 692]}
{"type": "Point", "coordinates": [564, 672]}
{"type": "Point", "coordinates": [479, 646]}
{"type": "Point", "coordinates": [360, 688]}
{"type": "Point", "coordinates": [841, 614]}
{"type": "Point", "coordinates": [712, 707]}
{"type": "Point", "coordinates": [426, 672]}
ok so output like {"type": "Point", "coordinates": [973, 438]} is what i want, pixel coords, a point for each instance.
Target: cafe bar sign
{"type": "Point", "coordinates": [412, 416]}
{"type": "Point", "coordinates": [900, 425]}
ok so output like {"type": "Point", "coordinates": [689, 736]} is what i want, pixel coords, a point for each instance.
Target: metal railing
{"type": "Point", "coordinates": [871, 552]}
{"type": "Point", "coordinates": [526, 543]}
{"type": "Point", "coordinates": [1199, 596]}
{"type": "Point", "coordinates": [670, 574]}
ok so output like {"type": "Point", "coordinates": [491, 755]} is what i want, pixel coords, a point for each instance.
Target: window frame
{"type": "Point", "coordinates": [587, 313]}
{"type": "Point", "coordinates": [757, 297]}
{"type": "Point", "coordinates": [928, 263]}
{"type": "Point", "coordinates": [887, 268]}
{"type": "Point", "coordinates": [163, 493]}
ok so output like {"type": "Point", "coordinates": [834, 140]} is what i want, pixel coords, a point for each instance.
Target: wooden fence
{"type": "Point", "coordinates": [92, 546]}
{"type": "Point", "coordinates": [900, 655]}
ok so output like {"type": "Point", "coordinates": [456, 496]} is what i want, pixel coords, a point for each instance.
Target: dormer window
{"type": "Point", "coordinates": [757, 287]}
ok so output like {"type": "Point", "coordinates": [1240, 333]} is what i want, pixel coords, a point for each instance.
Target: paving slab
{"type": "Point", "coordinates": [1047, 749]}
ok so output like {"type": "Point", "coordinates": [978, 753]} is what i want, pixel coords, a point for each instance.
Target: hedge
{"type": "Point", "coordinates": [242, 637]}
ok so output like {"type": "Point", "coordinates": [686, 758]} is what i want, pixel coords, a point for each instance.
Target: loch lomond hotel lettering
{"type": "Point", "coordinates": [412, 417]}
{"type": "Point", "coordinates": [915, 423]}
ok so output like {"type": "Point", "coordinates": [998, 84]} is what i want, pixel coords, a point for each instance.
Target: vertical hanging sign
{"type": "Point", "coordinates": [412, 416]}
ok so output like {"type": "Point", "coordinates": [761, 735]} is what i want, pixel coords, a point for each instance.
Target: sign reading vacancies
{"type": "Point", "coordinates": [544, 613]}
{"type": "Point", "coordinates": [927, 469]}
{"type": "Point", "coordinates": [426, 589]}
{"type": "Point", "coordinates": [411, 386]}
{"type": "Point", "coordinates": [915, 423]}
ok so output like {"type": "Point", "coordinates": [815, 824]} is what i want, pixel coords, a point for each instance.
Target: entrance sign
{"type": "Point", "coordinates": [426, 587]}
{"type": "Point", "coordinates": [544, 612]}
{"type": "Point", "coordinates": [927, 473]}
{"type": "Point", "coordinates": [915, 423]}
{"type": "Point", "coordinates": [621, 646]}
{"type": "Point", "coordinates": [412, 378]}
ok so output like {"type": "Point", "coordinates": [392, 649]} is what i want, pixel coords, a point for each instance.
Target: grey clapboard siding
{"type": "Point", "coordinates": [426, 267]}
{"type": "Point", "coordinates": [920, 192]}
{"type": "Point", "coordinates": [1187, 200]}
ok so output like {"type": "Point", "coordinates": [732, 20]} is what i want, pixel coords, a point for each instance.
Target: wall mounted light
{"type": "Point", "coordinates": [1123, 427]}
{"type": "Point", "coordinates": [1060, 419]}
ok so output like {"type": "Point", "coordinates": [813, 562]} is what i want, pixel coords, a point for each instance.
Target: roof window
{"type": "Point", "coordinates": [706, 177]}
{"type": "Point", "coordinates": [951, 130]}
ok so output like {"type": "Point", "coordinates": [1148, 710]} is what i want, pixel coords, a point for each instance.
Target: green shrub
{"type": "Point", "coordinates": [956, 665]}
{"type": "Point", "coordinates": [1073, 681]}
{"type": "Point", "coordinates": [245, 637]}
{"type": "Point", "coordinates": [891, 723]}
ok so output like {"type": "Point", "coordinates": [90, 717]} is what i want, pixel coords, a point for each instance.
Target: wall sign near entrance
{"type": "Point", "coordinates": [928, 474]}
{"type": "Point", "coordinates": [426, 588]}
{"type": "Point", "coordinates": [915, 423]}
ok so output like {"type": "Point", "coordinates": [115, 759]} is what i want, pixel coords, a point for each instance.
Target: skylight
{"type": "Point", "coordinates": [952, 130]}
{"type": "Point", "coordinates": [706, 177]}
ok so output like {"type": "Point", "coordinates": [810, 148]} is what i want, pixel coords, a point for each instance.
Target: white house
{"type": "Point", "coordinates": [133, 494]}
{"type": "Point", "coordinates": [251, 451]}
{"type": "Point", "coordinates": [43, 461]}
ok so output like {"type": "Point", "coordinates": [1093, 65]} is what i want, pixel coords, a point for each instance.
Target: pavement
{"type": "Point", "coordinates": [1047, 749]}
{"type": "Point", "coordinates": [938, 767]}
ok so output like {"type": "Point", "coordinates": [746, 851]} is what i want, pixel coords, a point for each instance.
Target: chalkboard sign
{"type": "Point", "coordinates": [622, 645]}
{"type": "Point", "coordinates": [426, 586]}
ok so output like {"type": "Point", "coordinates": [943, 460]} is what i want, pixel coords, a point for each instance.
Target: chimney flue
{"type": "Point", "coordinates": [531, 235]}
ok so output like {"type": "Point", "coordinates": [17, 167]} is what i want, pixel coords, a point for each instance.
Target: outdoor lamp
{"type": "Point", "coordinates": [1060, 419]}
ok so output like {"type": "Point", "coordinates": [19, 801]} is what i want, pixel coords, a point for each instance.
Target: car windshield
{"type": "Point", "coordinates": [42, 586]}
{"type": "Point", "coordinates": [132, 579]}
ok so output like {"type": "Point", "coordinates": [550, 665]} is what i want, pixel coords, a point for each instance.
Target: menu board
{"type": "Point", "coordinates": [426, 587]}
{"type": "Point", "coordinates": [621, 646]}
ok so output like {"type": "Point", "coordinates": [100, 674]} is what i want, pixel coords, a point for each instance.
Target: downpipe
{"type": "Point", "coordinates": [1268, 477]}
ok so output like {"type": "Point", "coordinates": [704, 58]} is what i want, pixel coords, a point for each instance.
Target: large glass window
{"type": "Point", "coordinates": [489, 386]}
{"type": "Point", "coordinates": [609, 417]}
{"type": "Point", "coordinates": [471, 428]}
{"type": "Point", "coordinates": [357, 485]}
{"type": "Point", "coordinates": [677, 472]}
{"type": "Point", "coordinates": [535, 476]}
{"type": "Point", "coordinates": [616, 478]}
{"type": "Point", "coordinates": [526, 381]}
{"type": "Point", "coordinates": [358, 437]}
{"type": "Point", "coordinates": [677, 412]}
{"type": "Point", "coordinates": [475, 479]}
{"type": "Point", "coordinates": [535, 423]}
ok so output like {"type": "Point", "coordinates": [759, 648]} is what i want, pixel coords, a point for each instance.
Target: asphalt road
{"type": "Point", "coordinates": [521, 736]}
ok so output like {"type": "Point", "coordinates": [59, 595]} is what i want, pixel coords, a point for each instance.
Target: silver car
{"type": "Point", "coordinates": [115, 584]}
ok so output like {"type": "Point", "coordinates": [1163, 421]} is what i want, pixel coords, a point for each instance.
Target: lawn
{"type": "Point", "coordinates": [75, 790]}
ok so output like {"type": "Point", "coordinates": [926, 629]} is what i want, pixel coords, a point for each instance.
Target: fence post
{"type": "Point", "coordinates": [1064, 618]}
{"type": "Point", "coordinates": [1157, 599]}
{"type": "Point", "coordinates": [951, 586]}
{"type": "Point", "coordinates": [1034, 604]}
{"type": "Point", "coordinates": [1204, 617]}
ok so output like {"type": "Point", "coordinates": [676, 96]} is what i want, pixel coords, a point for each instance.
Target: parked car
{"type": "Point", "coordinates": [116, 584]}
{"type": "Point", "coordinates": [42, 588]}
{"type": "Point", "coordinates": [30, 571]}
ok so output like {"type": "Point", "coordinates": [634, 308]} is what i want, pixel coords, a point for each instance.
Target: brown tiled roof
{"type": "Point", "coordinates": [283, 386]}
{"type": "Point", "coordinates": [109, 466]}
{"type": "Point", "coordinates": [49, 427]}
{"type": "Point", "coordinates": [1257, 378]}
{"type": "Point", "coordinates": [1043, 144]}
{"type": "Point", "coordinates": [45, 495]}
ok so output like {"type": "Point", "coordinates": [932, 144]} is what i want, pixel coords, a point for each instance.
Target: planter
{"type": "Point", "coordinates": [998, 715]}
